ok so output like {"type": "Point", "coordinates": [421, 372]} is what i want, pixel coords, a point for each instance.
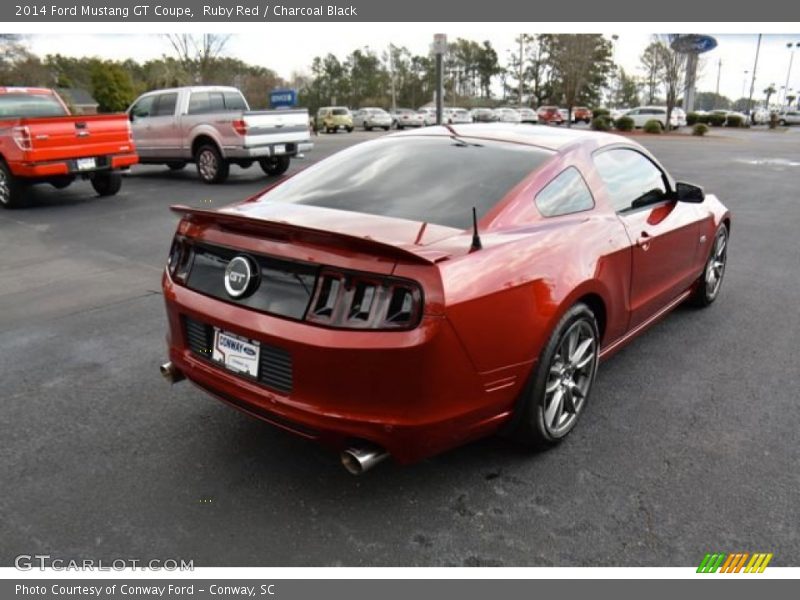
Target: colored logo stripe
{"type": "Point", "coordinates": [733, 563]}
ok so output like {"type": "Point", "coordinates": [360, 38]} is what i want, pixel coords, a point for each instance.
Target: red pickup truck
{"type": "Point", "coordinates": [40, 142]}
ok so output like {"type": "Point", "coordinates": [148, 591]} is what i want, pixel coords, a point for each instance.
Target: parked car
{"type": "Point", "coordinates": [616, 113]}
{"type": "Point", "coordinates": [483, 115]}
{"type": "Point", "coordinates": [40, 142]}
{"type": "Point", "coordinates": [760, 116]}
{"type": "Point", "coordinates": [643, 114]}
{"type": "Point", "coordinates": [213, 127]}
{"type": "Point", "coordinates": [428, 116]}
{"type": "Point", "coordinates": [789, 117]}
{"type": "Point", "coordinates": [527, 115]}
{"type": "Point", "coordinates": [405, 117]}
{"type": "Point", "coordinates": [581, 114]}
{"type": "Point", "coordinates": [456, 116]}
{"type": "Point", "coordinates": [331, 119]}
{"type": "Point", "coordinates": [549, 114]}
{"type": "Point", "coordinates": [507, 115]}
{"type": "Point", "coordinates": [369, 118]}
{"type": "Point", "coordinates": [467, 305]}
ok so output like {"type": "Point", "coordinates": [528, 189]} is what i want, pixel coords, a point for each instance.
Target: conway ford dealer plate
{"type": "Point", "coordinates": [235, 353]}
{"type": "Point", "coordinates": [85, 164]}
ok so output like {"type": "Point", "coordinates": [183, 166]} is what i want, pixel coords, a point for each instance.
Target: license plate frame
{"type": "Point", "coordinates": [279, 149]}
{"type": "Point", "coordinates": [86, 164]}
{"type": "Point", "coordinates": [236, 353]}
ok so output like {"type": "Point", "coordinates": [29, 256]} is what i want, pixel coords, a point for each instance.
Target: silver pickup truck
{"type": "Point", "coordinates": [213, 127]}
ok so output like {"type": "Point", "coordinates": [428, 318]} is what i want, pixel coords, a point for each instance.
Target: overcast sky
{"type": "Point", "coordinates": [291, 47]}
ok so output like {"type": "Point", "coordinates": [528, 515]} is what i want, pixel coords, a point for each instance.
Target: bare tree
{"type": "Point", "coordinates": [198, 52]}
{"type": "Point", "coordinates": [672, 68]}
{"type": "Point", "coordinates": [651, 64]}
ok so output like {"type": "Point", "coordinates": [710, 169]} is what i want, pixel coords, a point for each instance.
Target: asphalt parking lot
{"type": "Point", "coordinates": [689, 445]}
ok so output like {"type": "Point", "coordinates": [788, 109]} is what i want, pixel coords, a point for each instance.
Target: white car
{"type": "Point", "coordinates": [789, 117]}
{"type": "Point", "coordinates": [643, 114]}
{"type": "Point", "coordinates": [371, 117]}
{"type": "Point", "coordinates": [507, 115]}
{"type": "Point", "coordinates": [528, 115]}
{"type": "Point", "coordinates": [455, 116]}
{"type": "Point", "coordinates": [760, 116]}
{"type": "Point", "coordinates": [405, 117]}
{"type": "Point", "coordinates": [428, 116]}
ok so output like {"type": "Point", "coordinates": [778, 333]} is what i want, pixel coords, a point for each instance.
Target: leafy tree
{"type": "Point", "coordinates": [112, 86]}
{"type": "Point", "coordinates": [711, 101]}
{"type": "Point", "coordinates": [768, 93]}
{"type": "Point", "coordinates": [627, 90]}
{"type": "Point", "coordinates": [581, 64]}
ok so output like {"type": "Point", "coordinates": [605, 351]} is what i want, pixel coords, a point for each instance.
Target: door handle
{"type": "Point", "coordinates": [644, 241]}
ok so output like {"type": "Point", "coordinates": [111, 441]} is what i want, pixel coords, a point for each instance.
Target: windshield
{"type": "Point", "coordinates": [450, 176]}
{"type": "Point", "coordinates": [30, 105]}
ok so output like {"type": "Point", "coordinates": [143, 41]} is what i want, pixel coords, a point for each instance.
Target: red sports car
{"type": "Point", "coordinates": [421, 290]}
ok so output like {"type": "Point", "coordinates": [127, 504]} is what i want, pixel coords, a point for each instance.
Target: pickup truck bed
{"type": "Point", "coordinates": [58, 149]}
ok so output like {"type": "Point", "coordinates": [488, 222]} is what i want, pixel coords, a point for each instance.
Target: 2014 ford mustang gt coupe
{"type": "Point", "coordinates": [424, 289]}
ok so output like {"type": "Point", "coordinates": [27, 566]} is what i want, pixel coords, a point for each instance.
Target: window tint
{"type": "Point", "coordinates": [164, 105]}
{"type": "Point", "coordinates": [567, 193]}
{"type": "Point", "coordinates": [234, 101]}
{"type": "Point", "coordinates": [631, 179]}
{"type": "Point", "coordinates": [144, 107]}
{"type": "Point", "coordinates": [339, 111]}
{"type": "Point", "coordinates": [30, 105]}
{"type": "Point", "coordinates": [205, 102]}
{"type": "Point", "coordinates": [450, 177]}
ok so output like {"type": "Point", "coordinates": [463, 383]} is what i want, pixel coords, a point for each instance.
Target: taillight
{"type": "Point", "coordinates": [179, 260]}
{"type": "Point", "coordinates": [239, 126]}
{"type": "Point", "coordinates": [363, 301]}
{"type": "Point", "coordinates": [22, 137]}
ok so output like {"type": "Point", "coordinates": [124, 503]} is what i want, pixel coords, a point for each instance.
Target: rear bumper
{"type": "Point", "coordinates": [43, 170]}
{"type": "Point", "coordinates": [255, 152]}
{"type": "Point", "coordinates": [413, 393]}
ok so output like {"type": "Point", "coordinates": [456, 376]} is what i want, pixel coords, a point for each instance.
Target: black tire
{"type": "Point", "coordinates": [13, 192]}
{"type": "Point", "coordinates": [107, 183]}
{"type": "Point", "coordinates": [367, 128]}
{"type": "Point", "coordinates": [782, 123]}
{"type": "Point", "coordinates": [211, 167]}
{"type": "Point", "coordinates": [400, 127]}
{"type": "Point", "coordinates": [275, 165]}
{"type": "Point", "coordinates": [386, 129]}
{"type": "Point", "coordinates": [176, 166]}
{"type": "Point", "coordinates": [542, 421]}
{"type": "Point", "coordinates": [707, 286]}
{"type": "Point", "coordinates": [61, 183]}
{"type": "Point", "coordinates": [349, 130]}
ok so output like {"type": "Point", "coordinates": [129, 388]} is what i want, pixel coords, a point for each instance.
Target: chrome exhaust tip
{"type": "Point", "coordinates": [359, 459]}
{"type": "Point", "coordinates": [171, 373]}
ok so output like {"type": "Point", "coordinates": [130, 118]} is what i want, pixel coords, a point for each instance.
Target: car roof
{"type": "Point", "coordinates": [195, 88]}
{"type": "Point", "coordinates": [551, 138]}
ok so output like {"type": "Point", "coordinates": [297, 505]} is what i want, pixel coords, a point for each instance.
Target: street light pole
{"type": "Point", "coordinates": [744, 83]}
{"type": "Point", "coordinates": [790, 46]}
{"type": "Point", "coordinates": [753, 81]}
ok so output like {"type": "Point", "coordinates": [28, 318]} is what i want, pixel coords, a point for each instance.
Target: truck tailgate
{"type": "Point", "coordinates": [276, 127]}
{"type": "Point", "coordinates": [60, 138]}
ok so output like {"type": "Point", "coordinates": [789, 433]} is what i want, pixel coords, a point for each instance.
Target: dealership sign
{"type": "Point", "coordinates": [283, 98]}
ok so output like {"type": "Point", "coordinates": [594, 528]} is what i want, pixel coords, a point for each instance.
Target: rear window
{"type": "Point", "coordinates": [340, 111]}
{"type": "Point", "coordinates": [30, 105]}
{"type": "Point", "coordinates": [435, 179]}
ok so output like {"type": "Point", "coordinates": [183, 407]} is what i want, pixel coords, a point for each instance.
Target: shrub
{"type": "Point", "coordinates": [716, 119]}
{"type": "Point", "coordinates": [624, 124]}
{"type": "Point", "coordinates": [692, 118]}
{"type": "Point", "coordinates": [601, 112]}
{"type": "Point", "coordinates": [652, 126]}
{"type": "Point", "coordinates": [734, 121]}
{"type": "Point", "coordinates": [700, 129]}
{"type": "Point", "coordinates": [601, 123]}
{"type": "Point", "coordinates": [703, 118]}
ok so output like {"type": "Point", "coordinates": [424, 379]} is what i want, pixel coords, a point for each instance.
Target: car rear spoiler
{"type": "Point", "coordinates": [289, 232]}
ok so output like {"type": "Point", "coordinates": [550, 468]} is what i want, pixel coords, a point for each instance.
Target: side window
{"type": "Point", "coordinates": [631, 179]}
{"type": "Point", "coordinates": [215, 102]}
{"type": "Point", "coordinates": [234, 101]}
{"type": "Point", "coordinates": [198, 103]}
{"type": "Point", "coordinates": [567, 193]}
{"type": "Point", "coordinates": [143, 108]}
{"type": "Point", "coordinates": [164, 106]}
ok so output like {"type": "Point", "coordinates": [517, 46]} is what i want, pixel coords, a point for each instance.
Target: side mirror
{"type": "Point", "coordinates": [686, 192]}
{"type": "Point", "coordinates": [131, 116]}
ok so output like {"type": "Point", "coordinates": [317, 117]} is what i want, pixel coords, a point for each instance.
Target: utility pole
{"type": "Point", "coordinates": [789, 71]}
{"type": "Point", "coordinates": [391, 71]}
{"type": "Point", "coordinates": [521, 54]}
{"type": "Point", "coordinates": [439, 48]}
{"type": "Point", "coordinates": [753, 81]}
{"type": "Point", "coordinates": [719, 72]}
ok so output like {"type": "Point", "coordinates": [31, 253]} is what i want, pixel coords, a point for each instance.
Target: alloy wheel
{"type": "Point", "coordinates": [570, 377]}
{"type": "Point", "coordinates": [715, 267]}
{"type": "Point", "coordinates": [5, 189]}
{"type": "Point", "coordinates": [207, 164]}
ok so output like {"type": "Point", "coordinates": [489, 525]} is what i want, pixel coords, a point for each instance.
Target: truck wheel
{"type": "Point", "coordinates": [210, 166]}
{"type": "Point", "coordinates": [61, 182]}
{"type": "Point", "coordinates": [108, 183]}
{"type": "Point", "coordinates": [12, 192]}
{"type": "Point", "coordinates": [275, 165]}
{"type": "Point", "coordinates": [176, 166]}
